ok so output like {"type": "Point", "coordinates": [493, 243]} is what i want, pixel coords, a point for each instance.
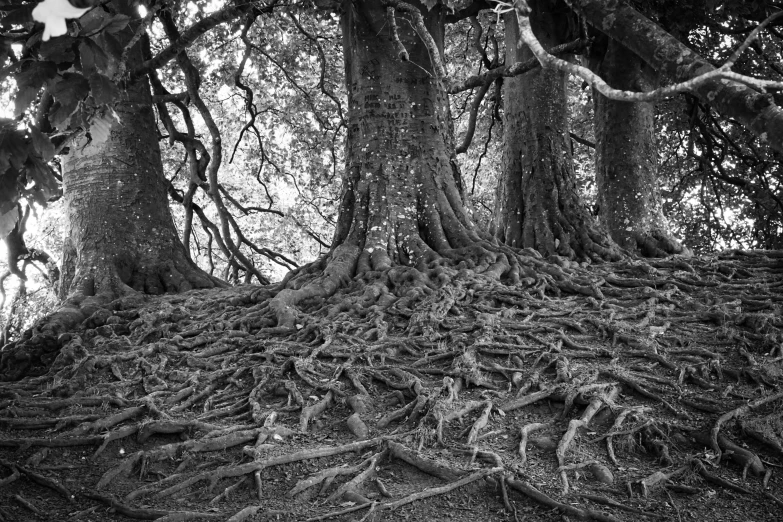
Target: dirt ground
{"type": "Point", "coordinates": [183, 408]}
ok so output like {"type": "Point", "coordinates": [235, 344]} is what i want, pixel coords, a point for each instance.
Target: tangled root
{"type": "Point", "coordinates": [562, 391]}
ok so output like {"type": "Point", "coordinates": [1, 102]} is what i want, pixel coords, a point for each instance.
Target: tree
{"type": "Point", "coordinates": [120, 234]}
{"type": "Point", "coordinates": [121, 237]}
{"type": "Point", "coordinates": [667, 56]}
{"type": "Point", "coordinates": [537, 204]}
{"type": "Point", "coordinates": [629, 202]}
{"type": "Point", "coordinates": [401, 205]}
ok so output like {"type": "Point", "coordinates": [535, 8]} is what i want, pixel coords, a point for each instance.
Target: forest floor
{"type": "Point", "coordinates": [654, 393]}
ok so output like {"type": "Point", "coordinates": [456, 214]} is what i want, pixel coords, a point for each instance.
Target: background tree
{"type": "Point", "coordinates": [538, 205]}
{"type": "Point", "coordinates": [120, 234]}
{"type": "Point", "coordinates": [629, 200]}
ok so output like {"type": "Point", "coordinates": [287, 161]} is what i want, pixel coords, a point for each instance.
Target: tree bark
{"type": "Point", "coordinates": [401, 211]}
{"type": "Point", "coordinates": [537, 204]}
{"type": "Point", "coordinates": [671, 58]}
{"type": "Point", "coordinates": [629, 202]}
{"type": "Point", "coordinates": [120, 235]}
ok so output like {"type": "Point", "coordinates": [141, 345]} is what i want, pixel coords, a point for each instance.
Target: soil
{"type": "Point", "coordinates": [179, 407]}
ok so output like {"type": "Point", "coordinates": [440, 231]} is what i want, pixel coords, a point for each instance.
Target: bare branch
{"type": "Point", "coordinates": [192, 34]}
{"type": "Point", "coordinates": [515, 69]}
{"type": "Point", "coordinates": [395, 35]}
{"type": "Point", "coordinates": [192, 81]}
{"type": "Point", "coordinates": [734, 96]}
{"type": "Point", "coordinates": [429, 42]}
{"type": "Point", "coordinates": [581, 140]}
{"type": "Point", "coordinates": [750, 39]}
{"type": "Point", "coordinates": [472, 117]}
{"type": "Point", "coordinates": [474, 23]}
{"type": "Point", "coordinates": [322, 56]}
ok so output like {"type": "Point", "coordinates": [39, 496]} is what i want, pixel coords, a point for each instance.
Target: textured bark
{"type": "Point", "coordinates": [669, 57]}
{"type": "Point", "coordinates": [401, 199]}
{"type": "Point", "coordinates": [401, 202]}
{"type": "Point", "coordinates": [629, 201]}
{"type": "Point", "coordinates": [537, 204]}
{"type": "Point", "coordinates": [120, 234]}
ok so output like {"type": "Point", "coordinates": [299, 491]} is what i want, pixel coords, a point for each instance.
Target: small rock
{"type": "Point", "coordinates": [544, 443]}
{"type": "Point", "coordinates": [358, 427]}
{"type": "Point", "coordinates": [602, 474]}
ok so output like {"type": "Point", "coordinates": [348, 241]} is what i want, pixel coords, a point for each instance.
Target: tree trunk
{"type": "Point", "coordinates": [537, 202]}
{"type": "Point", "coordinates": [629, 202]}
{"type": "Point", "coordinates": [669, 57]}
{"type": "Point", "coordinates": [120, 234]}
{"type": "Point", "coordinates": [401, 204]}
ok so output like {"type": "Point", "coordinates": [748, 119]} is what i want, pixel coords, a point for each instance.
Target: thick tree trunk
{"type": "Point", "coordinates": [401, 205]}
{"type": "Point", "coordinates": [629, 201]}
{"type": "Point", "coordinates": [120, 238]}
{"type": "Point", "coordinates": [401, 200]}
{"type": "Point", "coordinates": [537, 204]}
{"type": "Point", "coordinates": [120, 234]}
{"type": "Point", "coordinates": [669, 57]}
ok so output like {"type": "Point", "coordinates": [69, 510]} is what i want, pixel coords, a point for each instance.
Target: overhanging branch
{"type": "Point", "coordinates": [190, 35]}
{"type": "Point", "coordinates": [515, 69]}
{"type": "Point", "coordinates": [740, 100]}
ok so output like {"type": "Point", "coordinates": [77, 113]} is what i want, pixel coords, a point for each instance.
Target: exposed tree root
{"type": "Point", "coordinates": [567, 509]}
{"type": "Point", "coordinates": [470, 382]}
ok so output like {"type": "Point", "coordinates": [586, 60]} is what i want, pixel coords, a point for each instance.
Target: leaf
{"type": "Point", "coordinates": [110, 45]}
{"type": "Point", "coordinates": [99, 21]}
{"type": "Point", "coordinates": [104, 91]}
{"type": "Point", "coordinates": [42, 144]}
{"type": "Point", "coordinates": [21, 16]}
{"type": "Point", "coordinates": [58, 50]}
{"type": "Point", "coordinates": [13, 148]}
{"type": "Point", "coordinates": [9, 192]}
{"type": "Point", "coordinates": [71, 88]}
{"type": "Point", "coordinates": [5, 48]}
{"type": "Point", "coordinates": [30, 80]}
{"type": "Point", "coordinates": [9, 188]}
{"type": "Point", "coordinates": [58, 116]}
{"type": "Point", "coordinates": [41, 174]}
{"type": "Point", "coordinates": [68, 92]}
{"type": "Point", "coordinates": [23, 99]}
{"type": "Point", "coordinates": [117, 23]}
{"type": "Point", "coordinates": [93, 21]}
{"type": "Point", "coordinates": [8, 221]}
{"type": "Point", "coordinates": [100, 129]}
{"type": "Point", "coordinates": [92, 57]}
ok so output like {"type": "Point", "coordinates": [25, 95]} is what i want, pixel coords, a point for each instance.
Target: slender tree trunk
{"type": "Point", "coordinates": [401, 205]}
{"type": "Point", "coordinates": [629, 201]}
{"type": "Point", "coordinates": [537, 204]}
{"type": "Point", "coordinates": [120, 235]}
{"type": "Point", "coordinates": [669, 57]}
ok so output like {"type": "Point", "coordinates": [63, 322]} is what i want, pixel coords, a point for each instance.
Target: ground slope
{"type": "Point", "coordinates": [651, 390]}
